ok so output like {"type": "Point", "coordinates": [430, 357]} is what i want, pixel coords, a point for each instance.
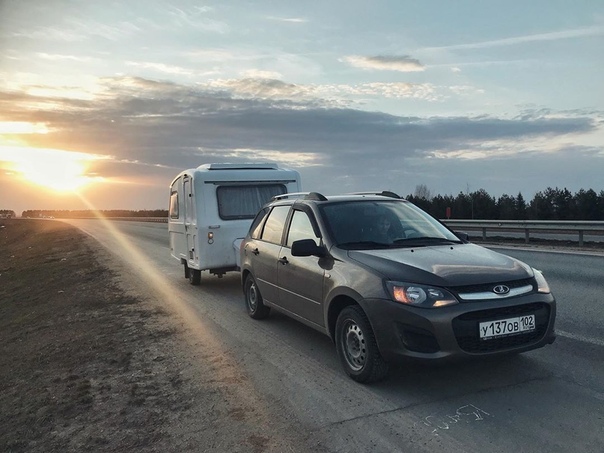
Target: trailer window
{"type": "Point", "coordinates": [174, 205]}
{"type": "Point", "coordinates": [244, 202]}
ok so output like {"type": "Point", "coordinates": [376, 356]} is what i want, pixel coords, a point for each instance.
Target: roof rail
{"type": "Point", "coordinates": [316, 196]}
{"type": "Point", "coordinates": [383, 193]}
{"type": "Point", "coordinates": [284, 196]}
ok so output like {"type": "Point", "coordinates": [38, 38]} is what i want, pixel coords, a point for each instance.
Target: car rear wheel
{"type": "Point", "coordinates": [253, 300]}
{"type": "Point", "coordinates": [357, 347]}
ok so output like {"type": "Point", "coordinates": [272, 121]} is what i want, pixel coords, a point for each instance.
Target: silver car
{"type": "Point", "coordinates": [385, 281]}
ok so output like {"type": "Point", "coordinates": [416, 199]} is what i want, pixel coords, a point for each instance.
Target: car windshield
{"type": "Point", "coordinates": [383, 224]}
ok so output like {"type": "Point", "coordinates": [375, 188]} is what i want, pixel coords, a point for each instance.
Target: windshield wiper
{"type": "Point", "coordinates": [425, 240]}
{"type": "Point", "coordinates": [363, 244]}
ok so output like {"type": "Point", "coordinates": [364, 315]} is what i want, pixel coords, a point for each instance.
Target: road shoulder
{"type": "Point", "coordinates": [88, 364]}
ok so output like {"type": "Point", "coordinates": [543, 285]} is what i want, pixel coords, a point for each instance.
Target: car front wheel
{"type": "Point", "coordinates": [357, 347]}
{"type": "Point", "coordinates": [253, 300]}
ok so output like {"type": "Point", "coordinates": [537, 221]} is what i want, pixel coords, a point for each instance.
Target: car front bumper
{"type": "Point", "coordinates": [452, 332]}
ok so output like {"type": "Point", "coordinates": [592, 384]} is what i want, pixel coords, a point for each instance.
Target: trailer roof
{"type": "Point", "coordinates": [250, 166]}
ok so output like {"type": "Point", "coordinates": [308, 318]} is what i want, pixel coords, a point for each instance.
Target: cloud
{"type": "Point", "coordinates": [168, 69]}
{"type": "Point", "coordinates": [395, 90]}
{"type": "Point", "coordinates": [261, 88]}
{"type": "Point", "coordinates": [402, 63]}
{"type": "Point", "coordinates": [214, 55]}
{"type": "Point", "coordinates": [154, 129]}
{"type": "Point", "coordinates": [596, 30]}
{"type": "Point", "coordinates": [57, 57]}
{"type": "Point", "coordinates": [295, 20]}
{"type": "Point", "coordinates": [50, 34]}
{"type": "Point", "coordinates": [196, 18]}
{"type": "Point", "coordinates": [333, 94]}
{"type": "Point", "coordinates": [133, 114]}
{"type": "Point", "coordinates": [74, 29]}
{"type": "Point", "coordinates": [260, 74]}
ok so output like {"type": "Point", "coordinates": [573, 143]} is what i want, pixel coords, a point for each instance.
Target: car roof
{"type": "Point", "coordinates": [318, 198]}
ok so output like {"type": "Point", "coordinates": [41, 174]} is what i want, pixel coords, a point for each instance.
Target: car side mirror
{"type": "Point", "coordinates": [307, 247]}
{"type": "Point", "coordinates": [465, 237]}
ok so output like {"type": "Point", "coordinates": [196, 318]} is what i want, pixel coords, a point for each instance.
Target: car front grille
{"type": "Point", "coordinates": [488, 288]}
{"type": "Point", "coordinates": [465, 328]}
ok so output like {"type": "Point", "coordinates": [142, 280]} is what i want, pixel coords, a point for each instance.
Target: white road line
{"type": "Point", "coordinates": [573, 336]}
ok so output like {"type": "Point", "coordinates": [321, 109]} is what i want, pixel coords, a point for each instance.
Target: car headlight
{"type": "Point", "coordinates": [420, 295]}
{"type": "Point", "coordinates": [542, 286]}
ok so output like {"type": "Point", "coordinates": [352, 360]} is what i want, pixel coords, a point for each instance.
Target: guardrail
{"type": "Point", "coordinates": [133, 219]}
{"type": "Point", "coordinates": [141, 219]}
{"type": "Point", "coordinates": [578, 227]}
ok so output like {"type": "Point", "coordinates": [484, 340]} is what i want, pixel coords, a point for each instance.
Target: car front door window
{"type": "Point", "coordinates": [300, 228]}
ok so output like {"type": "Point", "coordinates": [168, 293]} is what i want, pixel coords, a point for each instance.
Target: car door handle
{"type": "Point", "coordinates": [283, 260]}
{"type": "Point", "coordinates": [256, 251]}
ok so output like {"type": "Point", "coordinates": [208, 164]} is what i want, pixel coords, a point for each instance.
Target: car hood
{"type": "Point", "coordinates": [443, 265]}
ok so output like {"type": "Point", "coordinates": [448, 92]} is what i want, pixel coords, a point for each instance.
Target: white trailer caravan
{"type": "Point", "coordinates": [212, 207]}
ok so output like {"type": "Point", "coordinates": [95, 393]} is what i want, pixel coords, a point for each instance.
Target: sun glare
{"type": "Point", "coordinates": [22, 127]}
{"type": "Point", "coordinates": [57, 175]}
{"type": "Point", "coordinates": [62, 171]}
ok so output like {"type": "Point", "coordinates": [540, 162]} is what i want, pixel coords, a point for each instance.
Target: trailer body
{"type": "Point", "coordinates": [212, 207]}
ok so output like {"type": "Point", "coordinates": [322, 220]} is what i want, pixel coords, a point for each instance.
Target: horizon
{"type": "Point", "coordinates": [548, 204]}
{"type": "Point", "coordinates": [103, 106]}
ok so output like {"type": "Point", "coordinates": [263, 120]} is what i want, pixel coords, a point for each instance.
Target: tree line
{"type": "Point", "coordinates": [82, 214]}
{"type": "Point", "coordinates": [549, 204]}
{"type": "Point", "coordinates": [7, 214]}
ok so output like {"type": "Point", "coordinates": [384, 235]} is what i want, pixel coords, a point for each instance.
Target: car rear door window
{"type": "Point", "coordinates": [273, 228]}
{"type": "Point", "coordinates": [258, 223]}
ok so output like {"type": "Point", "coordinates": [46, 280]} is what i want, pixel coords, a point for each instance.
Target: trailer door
{"type": "Point", "coordinates": [190, 220]}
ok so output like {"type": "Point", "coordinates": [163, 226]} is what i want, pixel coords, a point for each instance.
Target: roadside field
{"type": "Point", "coordinates": [85, 366]}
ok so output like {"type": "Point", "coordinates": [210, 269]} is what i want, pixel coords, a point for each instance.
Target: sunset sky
{"type": "Point", "coordinates": [108, 101]}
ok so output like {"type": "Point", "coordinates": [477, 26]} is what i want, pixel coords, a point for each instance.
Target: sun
{"type": "Point", "coordinates": [61, 171]}
{"type": "Point", "coordinates": [58, 174]}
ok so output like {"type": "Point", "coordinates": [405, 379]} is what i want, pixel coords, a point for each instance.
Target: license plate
{"type": "Point", "coordinates": [505, 327]}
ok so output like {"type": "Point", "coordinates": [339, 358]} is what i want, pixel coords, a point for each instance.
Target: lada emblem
{"type": "Point", "coordinates": [501, 289]}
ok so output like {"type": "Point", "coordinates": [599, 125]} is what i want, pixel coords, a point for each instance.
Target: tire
{"type": "Point", "coordinates": [253, 300]}
{"type": "Point", "coordinates": [194, 276]}
{"type": "Point", "coordinates": [357, 348]}
{"type": "Point", "coordinates": [186, 266]}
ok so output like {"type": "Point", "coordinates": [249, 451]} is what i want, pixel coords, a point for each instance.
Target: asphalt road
{"type": "Point", "coordinates": [549, 400]}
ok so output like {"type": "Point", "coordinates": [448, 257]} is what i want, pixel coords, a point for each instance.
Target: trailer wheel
{"type": "Point", "coordinates": [194, 276]}
{"type": "Point", "coordinates": [186, 266]}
